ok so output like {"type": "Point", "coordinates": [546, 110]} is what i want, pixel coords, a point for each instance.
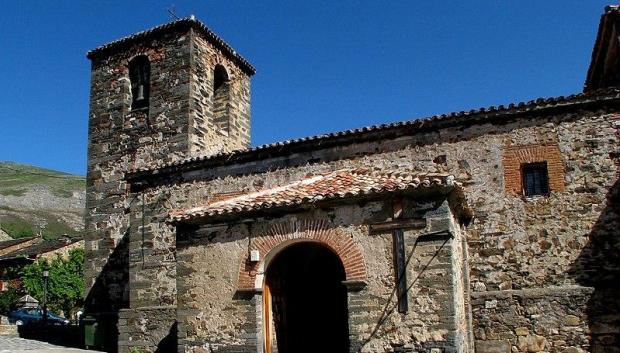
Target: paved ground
{"type": "Point", "coordinates": [12, 344]}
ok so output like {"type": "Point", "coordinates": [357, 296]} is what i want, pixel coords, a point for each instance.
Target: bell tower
{"type": "Point", "coordinates": [165, 94]}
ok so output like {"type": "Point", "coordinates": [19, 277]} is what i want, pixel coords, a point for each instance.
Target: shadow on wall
{"type": "Point", "coordinates": [598, 266]}
{"type": "Point", "coordinates": [391, 305]}
{"type": "Point", "coordinates": [108, 294]}
{"type": "Point", "coordinates": [168, 343]}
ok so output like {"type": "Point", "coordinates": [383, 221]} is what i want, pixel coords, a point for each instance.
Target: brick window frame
{"type": "Point", "coordinates": [515, 157]}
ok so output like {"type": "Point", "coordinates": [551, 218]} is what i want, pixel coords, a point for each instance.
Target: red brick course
{"type": "Point", "coordinates": [516, 156]}
{"type": "Point", "coordinates": [304, 230]}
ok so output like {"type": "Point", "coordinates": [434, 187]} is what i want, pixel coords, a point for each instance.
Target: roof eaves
{"type": "Point", "coordinates": [427, 182]}
{"type": "Point", "coordinates": [13, 242]}
{"type": "Point", "coordinates": [11, 257]}
{"type": "Point", "coordinates": [39, 248]}
{"type": "Point", "coordinates": [461, 117]}
{"type": "Point", "coordinates": [190, 22]}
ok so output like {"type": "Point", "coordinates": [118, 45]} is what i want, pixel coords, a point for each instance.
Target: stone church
{"type": "Point", "coordinates": [490, 230]}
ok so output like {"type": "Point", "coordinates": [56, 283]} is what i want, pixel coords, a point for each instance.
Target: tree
{"type": "Point", "coordinates": [65, 286]}
{"type": "Point", "coordinates": [8, 300]}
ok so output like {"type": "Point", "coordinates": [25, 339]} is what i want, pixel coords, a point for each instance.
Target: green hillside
{"type": "Point", "coordinates": [35, 199]}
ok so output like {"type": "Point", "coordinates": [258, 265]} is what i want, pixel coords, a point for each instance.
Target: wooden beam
{"type": "Point", "coordinates": [397, 208]}
{"type": "Point", "coordinates": [398, 254]}
{"type": "Point", "coordinates": [410, 223]}
{"type": "Point", "coordinates": [398, 242]}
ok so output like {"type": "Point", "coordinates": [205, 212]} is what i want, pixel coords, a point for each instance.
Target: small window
{"type": "Point", "coordinates": [221, 98]}
{"type": "Point", "coordinates": [139, 75]}
{"type": "Point", "coordinates": [535, 179]}
{"type": "Point", "coordinates": [220, 77]}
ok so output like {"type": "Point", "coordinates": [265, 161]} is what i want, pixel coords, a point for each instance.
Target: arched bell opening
{"type": "Point", "coordinates": [305, 301]}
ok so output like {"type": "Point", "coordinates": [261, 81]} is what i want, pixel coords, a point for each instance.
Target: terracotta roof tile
{"type": "Point", "coordinates": [8, 243]}
{"type": "Point", "coordinates": [339, 184]}
{"type": "Point", "coordinates": [40, 247]}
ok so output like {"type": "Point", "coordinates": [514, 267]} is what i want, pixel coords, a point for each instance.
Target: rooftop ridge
{"type": "Point", "coordinates": [190, 21]}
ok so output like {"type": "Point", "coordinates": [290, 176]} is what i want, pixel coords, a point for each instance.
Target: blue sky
{"type": "Point", "coordinates": [322, 65]}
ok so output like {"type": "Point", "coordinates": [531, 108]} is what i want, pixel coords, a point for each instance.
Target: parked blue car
{"type": "Point", "coordinates": [26, 316]}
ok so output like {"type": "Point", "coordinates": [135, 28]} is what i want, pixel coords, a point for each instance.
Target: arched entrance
{"type": "Point", "coordinates": [305, 301]}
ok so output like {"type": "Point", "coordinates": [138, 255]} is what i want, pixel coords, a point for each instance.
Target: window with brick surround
{"type": "Point", "coordinates": [519, 161]}
{"type": "Point", "coordinates": [535, 179]}
{"type": "Point", "coordinates": [140, 76]}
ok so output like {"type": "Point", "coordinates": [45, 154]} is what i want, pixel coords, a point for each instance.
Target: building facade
{"type": "Point", "coordinates": [493, 230]}
{"type": "Point", "coordinates": [15, 254]}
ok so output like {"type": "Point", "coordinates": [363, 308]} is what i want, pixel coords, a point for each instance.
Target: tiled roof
{"type": "Point", "coordinates": [184, 22]}
{"type": "Point", "coordinates": [335, 185]}
{"type": "Point", "coordinates": [436, 122]}
{"type": "Point", "coordinates": [39, 248]}
{"type": "Point", "coordinates": [8, 243]}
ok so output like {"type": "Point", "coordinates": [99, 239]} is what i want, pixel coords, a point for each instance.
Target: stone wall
{"type": "Point", "coordinates": [124, 251]}
{"type": "Point", "coordinates": [215, 315]}
{"type": "Point", "coordinates": [221, 116]}
{"type": "Point", "coordinates": [150, 328]}
{"type": "Point", "coordinates": [547, 231]}
{"type": "Point", "coordinates": [121, 139]}
{"type": "Point", "coordinates": [563, 240]}
{"type": "Point", "coordinates": [217, 128]}
{"type": "Point", "coordinates": [532, 320]}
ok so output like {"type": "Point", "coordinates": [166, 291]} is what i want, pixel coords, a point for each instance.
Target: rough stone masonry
{"type": "Point", "coordinates": [493, 230]}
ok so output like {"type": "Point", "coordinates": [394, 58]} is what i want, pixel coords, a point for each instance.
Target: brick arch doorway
{"type": "Point", "coordinates": [305, 301]}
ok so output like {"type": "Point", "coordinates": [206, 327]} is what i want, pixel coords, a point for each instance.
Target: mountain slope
{"type": "Point", "coordinates": [34, 199]}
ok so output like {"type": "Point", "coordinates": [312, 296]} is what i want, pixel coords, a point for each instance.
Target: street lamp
{"type": "Point", "coordinates": [46, 274]}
